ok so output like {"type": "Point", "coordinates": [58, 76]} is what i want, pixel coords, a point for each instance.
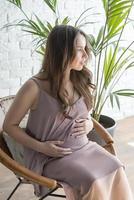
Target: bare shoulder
{"type": "Point", "coordinates": [29, 88]}
{"type": "Point", "coordinates": [27, 94]}
{"type": "Point", "coordinates": [24, 100]}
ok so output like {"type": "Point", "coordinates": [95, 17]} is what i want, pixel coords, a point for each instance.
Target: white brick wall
{"type": "Point", "coordinates": [17, 63]}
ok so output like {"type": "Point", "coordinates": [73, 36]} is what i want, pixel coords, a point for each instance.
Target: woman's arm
{"type": "Point", "coordinates": [26, 99]}
{"type": "Point", "coordinates": [23, 101]}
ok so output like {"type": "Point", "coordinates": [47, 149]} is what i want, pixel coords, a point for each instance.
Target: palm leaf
{"type": "Point", "coordinates": [114, 99]}
{"type": "Point", "coordinates": [100, 35]}
{"type": "Point", "coordinates": [130, 65]}
{"type": "Point", "coordinates": [115, 24]}
{"type": "Point", "coordinates": [110, 68]}
{"type": "Point", "coordinates": [125, 92]}
{"type": "Point", "coordinates": [84, 24]}
{"type": "Point", "coordinates": [92, 43]}
{"type": "Point", "coordinates": [65, 20]}
{"type": "Point", "coordinates": [49, 26]}
{"type": "Point", "coordinates": [111, 100]}
{"type": "Point", "coordinates": [116, 12]}
{"type": "Point", "coordinates": [41, 50]}
{"type": "Point", "coordinates": [81, 15]}
{"type": "Point", "coordinates": [51, 4]}
{"type": "Point", "coordinates": [117, 101]}
{"type": "Point", "coordinates": [57, 21]}
{"type": "Point", "coordinates": [42, 26]}
{"type": "Point", "coordinates": [16, 3]}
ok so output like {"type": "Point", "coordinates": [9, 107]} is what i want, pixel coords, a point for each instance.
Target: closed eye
{"type": "Point", "coordinates": [79, 49]}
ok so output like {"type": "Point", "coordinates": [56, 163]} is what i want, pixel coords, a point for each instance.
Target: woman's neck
{"type": "Point", "coordinates": [66, 76]}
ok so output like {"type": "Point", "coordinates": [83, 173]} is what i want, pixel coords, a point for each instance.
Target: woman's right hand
{"type": "Point", "coordinates": [51, 148]}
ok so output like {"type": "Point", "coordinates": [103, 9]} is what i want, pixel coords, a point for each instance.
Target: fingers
{"type": "Point", "coordinates": [82, 126]}
{"type": "Point", "coordinates": [78, 131]}
{"type": "Point", "coordinates": [57, 142]}
{"type": "Point", "coordinates": [77, 134]}
{"type": "Point", "coordinates": [59, 151]}
{"type": "Point", "coordinates": [80, 120]}
{"type": "Point", "coordinates": [79, 128]}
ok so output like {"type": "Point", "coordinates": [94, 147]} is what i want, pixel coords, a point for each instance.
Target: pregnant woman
{"type": "Point", "coordinates": [60, 99]}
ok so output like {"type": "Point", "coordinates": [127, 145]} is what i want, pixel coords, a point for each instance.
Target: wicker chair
{"type": "Point", "coordinates": [22, 173]}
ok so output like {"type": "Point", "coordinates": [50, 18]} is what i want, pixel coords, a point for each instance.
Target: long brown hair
{"type": "Point", "coordinates": [59, 52]}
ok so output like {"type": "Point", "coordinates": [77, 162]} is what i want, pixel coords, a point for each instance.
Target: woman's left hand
{"type": "Point", "coordinates": [82, 126]}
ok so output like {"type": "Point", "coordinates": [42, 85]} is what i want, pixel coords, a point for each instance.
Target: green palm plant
{"type": "Point", "coordinates": [41, 29]}
{"type": "Point", "coordinates": [111, 60]}
{"type": "Point", "coordinates": [36, 27]}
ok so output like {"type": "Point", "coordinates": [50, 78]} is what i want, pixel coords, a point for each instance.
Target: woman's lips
{"type": "Point", "coordinates": [82, 63]}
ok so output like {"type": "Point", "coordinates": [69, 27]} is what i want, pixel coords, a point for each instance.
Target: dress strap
{"type": "Point", "coordinates": [37, 82]}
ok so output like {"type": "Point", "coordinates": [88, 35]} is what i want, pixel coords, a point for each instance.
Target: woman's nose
{"type": "Point", "coordinates": [85, 55]}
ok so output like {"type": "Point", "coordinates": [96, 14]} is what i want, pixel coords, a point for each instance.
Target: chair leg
{"type": "Point", "coordinates": [54, 195]}
{"type": "Point", "coordinates": [16, 187]}
{"type": "Point", "coordinates": [58, 195]}
{"type": "Point", "coordinates": [48, 194]}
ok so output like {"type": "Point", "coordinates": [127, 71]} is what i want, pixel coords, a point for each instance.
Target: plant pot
{"type": "Point", "coordinates": [106, 122]}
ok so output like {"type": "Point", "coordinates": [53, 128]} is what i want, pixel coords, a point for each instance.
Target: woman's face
{"type": "Point", "coordinates": [81, 56]}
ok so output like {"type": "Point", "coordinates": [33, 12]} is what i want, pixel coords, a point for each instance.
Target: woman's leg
{"type": "Point", "coordinates": [111, 187]}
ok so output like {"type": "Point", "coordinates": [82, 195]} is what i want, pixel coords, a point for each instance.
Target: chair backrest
{"type": "Point", "coordinates": [11, 153]}
{"type": "Point", "coordinates": [5, 103]}
{"type": "Point", "coordinates": [7, 143]}
{"type": "Point", "coordinates": [4, 146]}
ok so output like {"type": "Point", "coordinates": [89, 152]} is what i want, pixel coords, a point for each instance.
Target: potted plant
{"type": "Point", "coordinates": [110, 57]}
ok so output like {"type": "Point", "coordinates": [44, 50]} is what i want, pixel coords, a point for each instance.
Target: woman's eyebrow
{"type": "Point", "coordinates": [80, 46]}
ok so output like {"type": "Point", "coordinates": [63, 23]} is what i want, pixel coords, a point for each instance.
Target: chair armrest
{"type": "Point", "coordinates": [110, 148]}
{"type": "Point", "coordinates": [25, 172]}
{"type": "Point", "coordinates": [102, 132]}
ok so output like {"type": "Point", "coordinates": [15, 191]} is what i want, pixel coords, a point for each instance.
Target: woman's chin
{"type": "Point", "coordinates": [81, 67]}
{"type": "Point", "coordinates": [78, 68]}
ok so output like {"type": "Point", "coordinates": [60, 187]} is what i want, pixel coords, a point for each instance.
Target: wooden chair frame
{"type": "Point", "coordinates": [24, 174]}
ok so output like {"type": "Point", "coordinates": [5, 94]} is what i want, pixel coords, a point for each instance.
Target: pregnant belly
{"type": "Point", "coordinates": [75, 143]}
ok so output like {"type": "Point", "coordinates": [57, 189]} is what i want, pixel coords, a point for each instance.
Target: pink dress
{"type": "Point", "coordinates": [90, 172]}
